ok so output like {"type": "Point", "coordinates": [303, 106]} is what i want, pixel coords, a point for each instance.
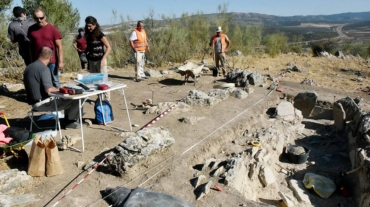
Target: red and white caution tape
{"type": "Point", "coordinates": [87, 175]}
{"type": "Point", "coordinates": [153, 121]}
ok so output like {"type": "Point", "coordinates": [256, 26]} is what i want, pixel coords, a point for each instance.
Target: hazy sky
{"type": "Point", "coordinates": [137, 10]}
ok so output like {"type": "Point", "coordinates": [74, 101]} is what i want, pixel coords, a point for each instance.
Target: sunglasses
{"type": "Point", "coordinates": [39, 18]}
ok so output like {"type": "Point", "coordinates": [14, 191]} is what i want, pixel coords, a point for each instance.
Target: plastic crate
{"type": "Point", "coordinates": [93, 78]}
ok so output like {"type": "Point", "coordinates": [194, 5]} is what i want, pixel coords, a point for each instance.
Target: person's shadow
{"type": "Point", "coordinates": [19, 95]}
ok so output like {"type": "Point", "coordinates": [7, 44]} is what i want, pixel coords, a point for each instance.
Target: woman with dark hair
{"type": "Point", "coordinates": [96, 40]}
{"type": "Point", "coordinates": [80, 45]}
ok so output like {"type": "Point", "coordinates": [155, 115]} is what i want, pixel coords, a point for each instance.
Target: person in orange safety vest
{"type": "Point", "coordinates": [139, 44]}
{"type": "Point", "coordinates": [220, 43]}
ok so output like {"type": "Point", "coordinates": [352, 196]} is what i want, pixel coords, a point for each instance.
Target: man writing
{"type": "Point", "coordinates": [139, 43]}
{"type": "Point", "coordinates": [220, 43]}
{"type": "Point", "coordinates": [38, 84]}
{"type": "Point", "coordinates": [17, 32]}
{"type": "Point", "coordinates": [44, 34]}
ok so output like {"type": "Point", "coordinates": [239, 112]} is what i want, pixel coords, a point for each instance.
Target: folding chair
{"type": "Point", "coordinates": [30, 115]}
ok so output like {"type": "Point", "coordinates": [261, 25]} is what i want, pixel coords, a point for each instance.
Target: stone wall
{"type": "Point", "coordinates": [359, 151]}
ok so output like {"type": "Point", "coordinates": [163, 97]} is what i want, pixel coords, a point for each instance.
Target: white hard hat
{"type": "Point", "coordinates": [219, 29]}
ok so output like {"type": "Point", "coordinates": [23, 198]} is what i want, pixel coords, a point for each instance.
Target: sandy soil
{"type": "Point", "coordinates": [171, 171]}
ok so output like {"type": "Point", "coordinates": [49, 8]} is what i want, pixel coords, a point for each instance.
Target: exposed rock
{"type": "Point", "coordinates": [305, 102]}
{"type": "Point", "coordinates": [253, 167]}
{"type": "Point", "coordinates": [233, 167]}
{"type": "Point", "coordinates": [191, 120]}
{"type": "Point", "coordinates": [215, 164]}
{"type": "Point", "coordinates": [259, 155]}
{"type": "Point", "coordinates": [164, 72]}
{"type": "Point", "coordinates": [218, 93]}
{"type": "Point", "coordinates": [67, 141]}
{"type": "Point", "coordinates": [139, 146]}
{"type": "Point", "coordinates": [326, 54]}
{"type": "Point", "coordinates": [350, 108]}
{"type": "Point", "coordinates": [295, 69]}
{"type": "Point", "coordinates": [267, 176]}
{"type": "Point", "coordinates": [10, 181]}
{"type": "Point", "coordinates": [255, 78]}
{"type": "Point", "coordinates": [200, 98]}
{"type": "Point", "coordinates": [339, 54]}
{"type": "Point", "coordinates": [79, 164]}
{"type": "Point", "coordinates": [249, 90]}
{"type": "Point", "coordinates": [204, 190]}
{"type": "Point", "coordinates": [199, 180]}
{"type": "Point", "coordinates": [339, 116]}
{"type": "Point", "coordinates": [237, 53]}
{"type": "Point", "coordinates": [207, 163]}
{"type": "Point", "coordinates": [153, 73]}
{"type": "Point", "coordinates": [299, 190]}
{"type": "Point", "coordinates": [21, 200]}
{"type": "Point", "coordinates": [285, 108]}
{"type": "Point", "coordinates": [279, 145]}
{"type": "Point", "coordinates": [288, 201]}
{"type": "Point", "coordinates": [240, 94]}
{"type": "Point", "coordinates": [219, 171]}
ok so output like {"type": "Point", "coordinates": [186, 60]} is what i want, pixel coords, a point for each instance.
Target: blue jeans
{"type": "Point", "coordinates": [54, 74]}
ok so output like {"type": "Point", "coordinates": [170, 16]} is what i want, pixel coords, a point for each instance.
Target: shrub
{"type": "Point", "coordinates": [329, 46]}
{"type": "Point", "coordinates": [275, 44]}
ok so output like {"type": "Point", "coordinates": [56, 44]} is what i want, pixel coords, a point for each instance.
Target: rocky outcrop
{"type": "Point", "coordinates": [305, 102]}
{"type": "Point", "coordinates": [140, 146]}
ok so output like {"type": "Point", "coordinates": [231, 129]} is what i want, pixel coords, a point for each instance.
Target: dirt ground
{"type": "Point", "coordinates": [171, 171]}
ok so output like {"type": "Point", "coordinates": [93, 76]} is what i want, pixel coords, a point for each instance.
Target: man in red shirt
{"type": "Point", "coordinates": [80, 45]}
{"type": "Point", "coordinates": [44, 34]}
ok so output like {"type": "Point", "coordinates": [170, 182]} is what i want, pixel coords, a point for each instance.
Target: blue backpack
{"type": "Point", "coordinates": [106, 108]}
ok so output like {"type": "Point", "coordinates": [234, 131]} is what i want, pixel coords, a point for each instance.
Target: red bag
{"type": "Point", "coordinates": [103, 87]}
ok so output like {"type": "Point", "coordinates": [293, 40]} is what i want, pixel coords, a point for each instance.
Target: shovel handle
{"type": "Point", "coordinates": [6, 120]}
{"type": "Point", "coordinates": [352, 171]}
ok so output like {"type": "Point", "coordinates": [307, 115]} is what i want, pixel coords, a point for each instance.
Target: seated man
{"type": "Point", "coordinates": [38, 84]}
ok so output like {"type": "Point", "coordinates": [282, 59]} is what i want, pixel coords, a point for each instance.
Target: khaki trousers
{"type": "Point", "coordinates": [221, 57]}
{"type": "Point", "coordinates": [140, 64]}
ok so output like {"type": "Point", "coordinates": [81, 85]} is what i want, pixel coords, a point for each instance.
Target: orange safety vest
{"type": "Point", "coordinates": [140, 43]}
{"type": "Point", "coordinates": [223, 41]}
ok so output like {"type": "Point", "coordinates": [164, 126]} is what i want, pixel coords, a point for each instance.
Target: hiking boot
{"type": "Point", "coordinates": [138, 79]}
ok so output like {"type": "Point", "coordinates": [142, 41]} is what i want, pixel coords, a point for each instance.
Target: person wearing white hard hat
{"type": "Point", "coordinates": [220, 43]}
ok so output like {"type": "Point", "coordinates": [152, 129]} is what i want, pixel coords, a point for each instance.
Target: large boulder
{"type": "Point", "coordinates": [256, 78]}
{"type": "Point", "coordinates": [140, 146]}
{"type": "Point", "coordinates": [349, 107]}
{"type": "Point", "coordinates": [196, 97]}
{"type": "Point", "coordinates": [239, 77]}
{"type": "Point", "coordinates": [305, 102]}
{"type": "Point", "coordinates": [339, 115]}
{"type": "Point", "coordinates": [284, 109]}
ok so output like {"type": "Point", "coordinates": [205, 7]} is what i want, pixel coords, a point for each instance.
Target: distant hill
{"type": "Point", "coordinates": [271, 20]}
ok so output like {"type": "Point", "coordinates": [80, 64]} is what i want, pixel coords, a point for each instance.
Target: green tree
{"type": "Point", "coordinates": [5, 4]}
{"type": "Point", "coordinates": [60, 13]}
{"type": "Point", "coordinates": [275, 44]}
{"type": "Point", "coordinates": [296, 48]}
{"type": "Point", "coordinates": [252, 38]}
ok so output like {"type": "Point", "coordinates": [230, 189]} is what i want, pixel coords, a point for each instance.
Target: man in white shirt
{"type": "Point", "coordinates": [220, 43]}
{"type": "Point", "coordinates": [139, 44]}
